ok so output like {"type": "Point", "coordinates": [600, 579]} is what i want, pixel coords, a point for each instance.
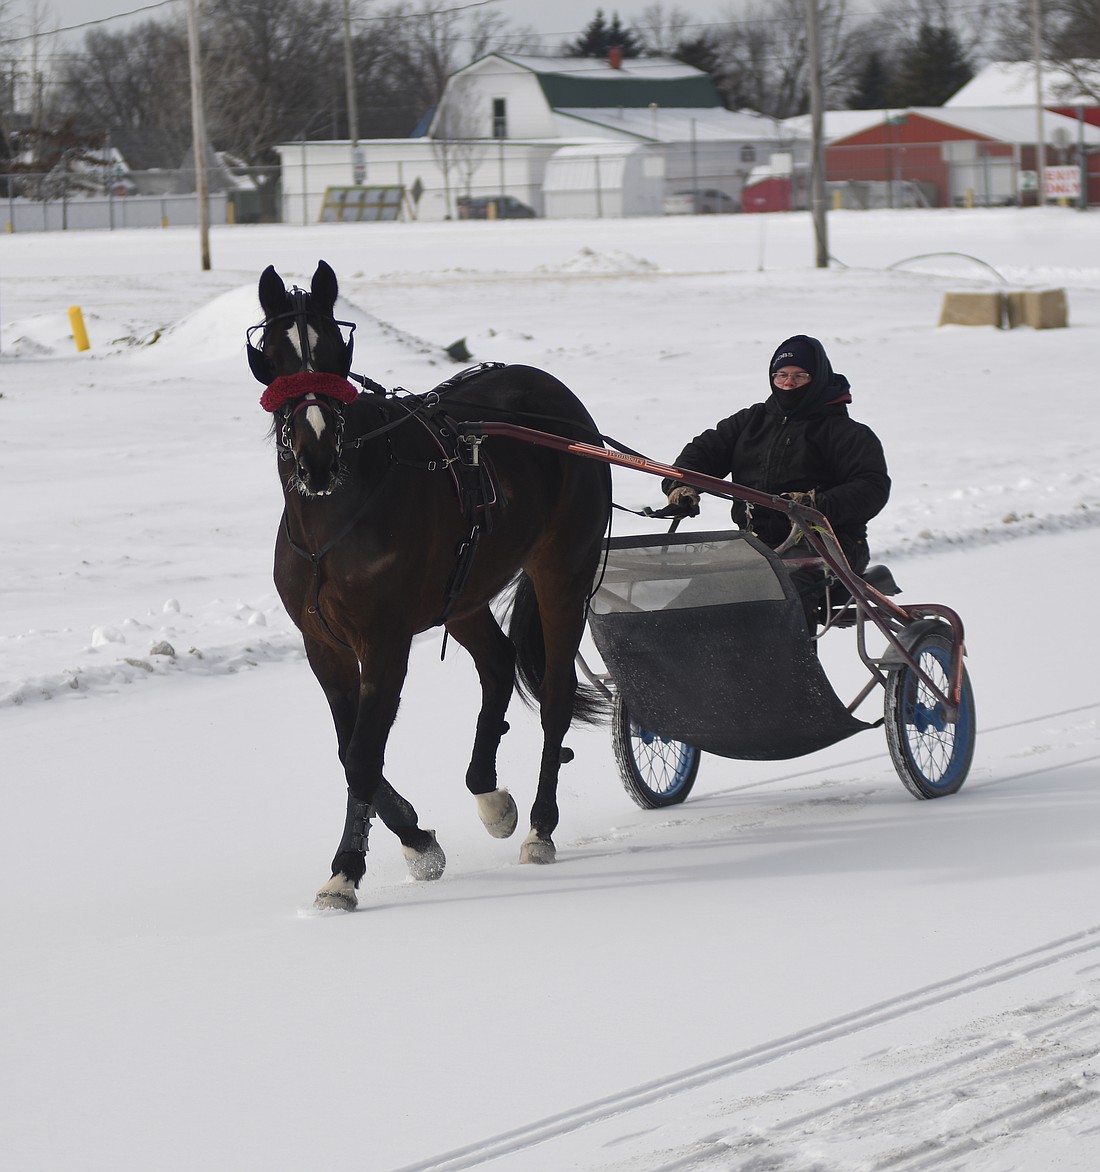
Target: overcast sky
{"type": "Point", "coordinates": [560, 20]}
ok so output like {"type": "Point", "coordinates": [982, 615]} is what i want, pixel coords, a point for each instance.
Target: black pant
{"type": "Point", "coordinates": [810, 584]}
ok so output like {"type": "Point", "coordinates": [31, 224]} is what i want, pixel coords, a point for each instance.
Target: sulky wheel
{"type": "Point", "coordinates": [656, 771]}
{"type": "Point", "coordinates": [931, 755]}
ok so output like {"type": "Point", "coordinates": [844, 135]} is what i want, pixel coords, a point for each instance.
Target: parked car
{"type": "Point", "coordinates": [507, 208]}
{"type": "Point", "coordinates": [703, 201]}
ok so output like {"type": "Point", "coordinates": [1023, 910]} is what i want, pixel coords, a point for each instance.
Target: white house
{"type": "Point", "coordinates": [501, 120]}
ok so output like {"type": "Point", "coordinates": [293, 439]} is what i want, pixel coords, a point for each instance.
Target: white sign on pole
{"type": "Point", "coordinates": [1061, 182]}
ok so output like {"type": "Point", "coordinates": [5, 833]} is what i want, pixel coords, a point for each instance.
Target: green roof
{"type": "Point", "coordinates": [565, 92]}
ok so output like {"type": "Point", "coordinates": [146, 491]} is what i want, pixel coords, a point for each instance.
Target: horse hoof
{"type": "Point", "coordinates": [497, 812]}
{"type": "Point", "coordinates": [338, 894]}
{"type": "Point", "coordinates": [537, 850]}
{"type": "Point", "coordinates": [426, 864]}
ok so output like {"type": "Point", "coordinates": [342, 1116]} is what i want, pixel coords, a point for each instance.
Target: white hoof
{"type": "Point", "coordinates": [425, 864]}
{"type": "Point", "coordinates": [338, 894]}
{"type": "Point", "coordinates": [537, 850]}
{"type": "Point", "coordinates": [497, 812]}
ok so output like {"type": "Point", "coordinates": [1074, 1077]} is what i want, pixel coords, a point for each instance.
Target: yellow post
{"type": "Point", "coordinates": [80, 334]}
{"type": "Point", "coordinates": [838, 200]}
{"type": "Point", "coordinates": [491, 210]}
{"type": "Point", "coordinates": [969, 200]}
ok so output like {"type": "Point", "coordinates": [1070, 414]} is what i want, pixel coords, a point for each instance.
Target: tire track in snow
{"type": "Point", "coordinates": [944, 1110]}
{"type": "Point", "coordinates": [872, 758]}
{"type": "Point", "coordinates": [617, 1105]}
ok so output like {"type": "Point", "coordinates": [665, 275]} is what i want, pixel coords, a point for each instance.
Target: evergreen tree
{"type": "Point", "coordinates": [931, 68]}
{"type": "Point", "coordinates": [599, 38]}
{"type": "Point", "coordinates": [873, 85]}
{"type": "Point", "coordinates": [701, 53]}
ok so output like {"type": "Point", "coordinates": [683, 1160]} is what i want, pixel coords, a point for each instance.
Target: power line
{"type": "Point", "coordinates": [71, 28]}
{"type": "Point", "coordinates": [693, 27]}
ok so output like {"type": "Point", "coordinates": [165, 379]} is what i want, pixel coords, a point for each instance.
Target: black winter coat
{"type": "Point", "coordinates": [796, 441]}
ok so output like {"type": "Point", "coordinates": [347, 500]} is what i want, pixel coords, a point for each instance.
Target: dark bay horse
{"type": "Point", "coordinates": [392, 525]}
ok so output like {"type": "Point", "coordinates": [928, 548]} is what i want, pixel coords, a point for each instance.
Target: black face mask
{"type": "Point", "coordinates": [790, 398]}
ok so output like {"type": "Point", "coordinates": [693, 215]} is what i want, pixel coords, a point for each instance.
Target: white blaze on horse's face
{"type": "Point", "coordinates": [296, 341]}
{"type": "Point", "coordinates": [315, 417]}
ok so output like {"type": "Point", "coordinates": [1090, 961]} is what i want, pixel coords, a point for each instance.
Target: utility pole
{"type": "Point", "coordinates": [358, 168]}
{"type": "Point", "coordinates": [817, 118]}
{"type": "Point", "coordinates": [198, 133]}
{"type": "Point", "coordinates": [1040, 139]}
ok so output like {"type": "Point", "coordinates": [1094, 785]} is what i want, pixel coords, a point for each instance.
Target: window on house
{"type": "Point", "coordinates": [500, 118]}
{"type": "Point", "coordinates": [748, 153]}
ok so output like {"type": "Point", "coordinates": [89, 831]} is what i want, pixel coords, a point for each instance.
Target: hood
{"type": "Point", "coordinates": [823, 390]}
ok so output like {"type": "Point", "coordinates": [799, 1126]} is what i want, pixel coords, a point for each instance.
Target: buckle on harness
{"type": "Point", "coordinates": [468, 448]}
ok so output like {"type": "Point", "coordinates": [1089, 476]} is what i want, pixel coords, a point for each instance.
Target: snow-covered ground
{"type": "Point", "coordinates": [801, 968]}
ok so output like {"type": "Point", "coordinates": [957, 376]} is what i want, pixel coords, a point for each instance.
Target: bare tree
{"type": "Point", "coordinates": [273, 72]}
{"type": "Point", "coordinates": [136, 80]}
{"type": "Point", "coordinates": [1070, 40]}
{"type": "Point", "coordinates": [405, 54]}
{"type": "Point", "coordinates": [764, 57]}
{"type": "Point", "coordinates": [460, 138]}
{"type": "Point", "coordinates": [662, 30]}
{"type": "Point", "coordinates": [970, 24]}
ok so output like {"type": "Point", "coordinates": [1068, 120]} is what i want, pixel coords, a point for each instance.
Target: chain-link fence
{"type": "Point", "coordinates": [951, 173]}
{"type": "Point", "coordinates": [51, 201]}
{"type": "Point", "coordinates": [504, 180]}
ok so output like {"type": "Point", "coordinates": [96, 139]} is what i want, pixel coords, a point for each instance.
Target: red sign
{"type": "Point", "coordinates": [1061, 182]}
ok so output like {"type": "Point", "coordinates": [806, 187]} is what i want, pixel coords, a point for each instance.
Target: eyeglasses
{"type": "Point", "coordinates": [798, 379]}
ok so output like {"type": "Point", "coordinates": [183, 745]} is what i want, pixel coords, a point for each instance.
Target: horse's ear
{"type": "Point", "coordinates": [324, 287]}
{"type": "Point", "coordinates": [273, 297]}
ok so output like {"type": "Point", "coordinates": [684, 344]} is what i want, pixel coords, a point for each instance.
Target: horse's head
{"type": "Point", "coordinates": [299, 332]}
{"type": "Point", "coordinates": [303, 354]}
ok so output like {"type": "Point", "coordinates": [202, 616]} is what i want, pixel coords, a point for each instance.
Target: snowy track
{"type": "Point", "coordinates": [1042, 1067]}
{"type": "Point", "coordinates": [801, 969]}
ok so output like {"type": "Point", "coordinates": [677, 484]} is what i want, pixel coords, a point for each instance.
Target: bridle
{"type": "Point", "coordinates": [299, 313]}
{"type": "Point", "coordinates": [264, 369]}
{"type": "Point", "coordinates": [284, 445]}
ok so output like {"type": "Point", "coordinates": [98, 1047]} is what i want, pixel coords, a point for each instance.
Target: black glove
{"type": "Point", "coordinates": [686, 499]}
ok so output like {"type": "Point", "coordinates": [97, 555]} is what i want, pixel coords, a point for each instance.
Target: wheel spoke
{"type": "Point", "coordinates": [931, 754]}
{"type": "Point", "coordinates": [656, 770]}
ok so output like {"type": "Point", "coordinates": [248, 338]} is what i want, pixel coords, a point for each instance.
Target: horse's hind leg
{"type": "Point", "coordinates": [494, 659]}
{"type": "Point", "coordinates": [561, 606]}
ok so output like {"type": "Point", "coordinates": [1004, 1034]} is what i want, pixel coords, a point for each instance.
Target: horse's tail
{"type": "Point", "coordinates": [590, 705]}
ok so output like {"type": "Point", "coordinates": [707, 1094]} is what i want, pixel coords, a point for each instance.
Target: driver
{"type": "Point", "coordinates": [800, 443]}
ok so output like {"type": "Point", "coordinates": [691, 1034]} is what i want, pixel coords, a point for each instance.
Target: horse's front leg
{"type": "Point", "coordinates": [494, 657]}
{"type": "Point", "coordinates": [381, 676]}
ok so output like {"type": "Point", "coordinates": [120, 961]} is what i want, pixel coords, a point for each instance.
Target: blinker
{"type": "Point", "coordinates": [263, 369]}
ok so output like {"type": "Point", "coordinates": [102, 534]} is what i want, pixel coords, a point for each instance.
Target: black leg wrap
{"type": "Point", "coordinates": [481, 776]}
{"type": "Point", "coordinates": [354, 840]}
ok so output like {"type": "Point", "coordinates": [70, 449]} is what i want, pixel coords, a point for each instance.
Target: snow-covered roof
{"type": "Point", "coordinates": [573, 82]}
{"type": "Point", "coordinates": [649, 68]}
{"type": "Point", "coordinates": [675, 123]}
{"type": "Point", "coordinates": [1014, 124]}
{"type": "Point", "coordinates": [1012, 83]}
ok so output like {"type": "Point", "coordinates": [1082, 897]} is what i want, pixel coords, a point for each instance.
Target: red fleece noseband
{"type": "Point", "coordinates": [288, 387]}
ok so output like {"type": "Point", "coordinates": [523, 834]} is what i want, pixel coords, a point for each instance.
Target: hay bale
{"type": "Point", "coordinates": [973, 309]}
{"type": "Point", "coordinates": [1046, 309]}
